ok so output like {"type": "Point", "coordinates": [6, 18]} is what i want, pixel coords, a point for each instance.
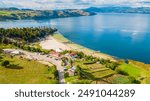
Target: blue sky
{"type": "Point", "coordinates": [65, 4]}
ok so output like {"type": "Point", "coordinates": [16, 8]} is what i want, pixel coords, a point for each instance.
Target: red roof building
{"type": "Point", "coordinates": [55, 54]}
{"type": "Point", "coordinates": [73, 54]}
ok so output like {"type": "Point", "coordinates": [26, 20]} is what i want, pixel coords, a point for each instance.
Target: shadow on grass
{"type": "Point", "coordinates": [14, 66]}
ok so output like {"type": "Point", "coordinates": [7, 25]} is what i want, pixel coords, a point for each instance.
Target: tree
{"type": "Point", "coordinates": [111, 65]}
{"type": "Point", "coordinates": [1, 57]}
{"type": "Point", "coordinates": [133, 80]}
{"type": "Point", "coordinates": [80, 55]}
{"type": "Point", "coordinates": [24, 34]}
{"type": "Point", "coordinates": [3, 38]}
{"type": "Point", "coordinates": [5, 63]}
{"type": "Point", "coordinates": [66, 75]}
{"type": "Point", "coordinates": [71, 63]}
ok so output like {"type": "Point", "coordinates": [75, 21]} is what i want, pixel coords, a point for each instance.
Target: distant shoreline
{"type": "Point", "coordinates": [17, 14]}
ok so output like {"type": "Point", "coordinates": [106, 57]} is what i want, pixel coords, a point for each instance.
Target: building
{"type": "Point", "coordinates": [15, 52]}
{"type": "Point", "coordinates": [55, 54]}
{"type": "Point", "coordinates": [12, 52]}
{"type": "Point", "coordinates": [73, 55]}
{"type": "Point", "coordinates": [72, 71]}
{"type": "Point", "coordinates": [59, 50]}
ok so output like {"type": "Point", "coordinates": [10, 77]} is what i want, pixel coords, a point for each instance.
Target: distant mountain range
{"type": "Point", "coordinates": [19, 14]}
{"type": "Point", "coordinates": [142, 10]}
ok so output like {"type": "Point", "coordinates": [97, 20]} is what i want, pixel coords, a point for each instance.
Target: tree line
{"type": "Point", "coordinates": [27, 35]}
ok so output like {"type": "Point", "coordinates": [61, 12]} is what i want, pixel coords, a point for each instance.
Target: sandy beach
{"type": "Point", "coordinates": [51, 43]}
{"type": "Point", "coordinates": [59, 41]}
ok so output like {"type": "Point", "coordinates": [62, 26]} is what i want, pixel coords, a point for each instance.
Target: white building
{"type": "Point", "coordinates": [15, 52]}
{"type": "Point", "coordinates": [59, 50]}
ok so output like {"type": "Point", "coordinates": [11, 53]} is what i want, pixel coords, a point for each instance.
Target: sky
{"type": "Point", "coordinates": [71, 4]}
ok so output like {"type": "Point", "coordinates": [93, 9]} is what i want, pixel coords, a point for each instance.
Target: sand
{"type": "Point", "coordinates": [59, 41]}
{"type": "Point", "coordinates": [51, 43]}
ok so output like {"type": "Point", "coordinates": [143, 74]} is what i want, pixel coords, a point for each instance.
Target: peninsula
{"type": "Point", "coordinates": [27, 14]}
{"type": "Point", "coordinates": [42, 55]}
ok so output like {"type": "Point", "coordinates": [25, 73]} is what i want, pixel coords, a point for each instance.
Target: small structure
{"type": "Point", "coordinates": [59, 50]}
{"type": "Point", "coordinates": [55, 54]}
{"type": "Point", "coordinates": [72, 71]}
{"type": "Point", "coordinates": [73, 68]}
{"type": "Point", "coordinates": [67, 54]}
{"type": "Point", "coordinates": [98, 62]}
{"type": "Point", "coordinates": [73, 55]}
{"type": "Point", "coordinates": [65, 69]}
{"type": "Point", "coordinates": [16, 52]}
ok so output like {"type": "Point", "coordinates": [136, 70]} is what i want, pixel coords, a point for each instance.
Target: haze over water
{"type": "Point", "coordinates": [125, 36]}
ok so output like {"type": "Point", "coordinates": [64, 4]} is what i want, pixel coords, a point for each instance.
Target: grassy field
{"type": "Point", "coordinates": [138, 70]}
{"type": "Point", "coordinates": [3, 46]}
{"type": "Point", "coordinates": [17, 15]}
{"type": "Point", "coordinates": [4, 13]}
{"type": "Point", "coordinates": [23, 71]}
{"type": "Point", "coordinates": [131, 69]}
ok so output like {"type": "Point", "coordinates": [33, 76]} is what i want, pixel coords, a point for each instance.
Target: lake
{"type": "Point", "coordinates": [125, 36]}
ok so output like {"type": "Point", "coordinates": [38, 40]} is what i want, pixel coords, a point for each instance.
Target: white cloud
{"type": "Point", "coordinates": [62, 4]}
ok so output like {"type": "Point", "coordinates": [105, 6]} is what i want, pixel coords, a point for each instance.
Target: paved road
{"type": "Point", "coordinates": [38, 57]}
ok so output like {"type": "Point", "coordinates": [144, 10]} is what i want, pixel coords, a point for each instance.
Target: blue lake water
{"type": "Point", "coordinates": [125, 36]}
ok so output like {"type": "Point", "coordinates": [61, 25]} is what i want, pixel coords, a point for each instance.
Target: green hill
{"type": "Point", "coordinates": [19, 14]}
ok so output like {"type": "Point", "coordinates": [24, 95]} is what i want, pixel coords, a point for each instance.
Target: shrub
{"type": "Point", "coordinates": [112, 65]}
{"type": "Point", "coordinates": [53, 70]}
{"type": "Point", "coordinates": [1, 57]}
{"type": "Point", "coordinates": [80, 55]}
{"type": "Point", "coordinates": [133, 80]}
{"type": "Point", "coordinates": [103, 61]}
{"type": "Point", "coordinates": [68, 67]}
{"type": "Point", "coordinates": [119, 71]}
{"type": "Point", "coordinates": [66, 75]}
{"type": "Point", "coordinates": [5, 63]}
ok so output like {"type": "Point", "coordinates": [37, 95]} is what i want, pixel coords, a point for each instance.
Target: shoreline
{"type": "Point", "coordinates": [77, 47]}
{"type": "Point", "coordinates": [59, 41]}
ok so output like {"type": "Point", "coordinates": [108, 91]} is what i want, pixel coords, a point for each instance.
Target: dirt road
{"type": "Point", "coordinates": [39, 57]}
